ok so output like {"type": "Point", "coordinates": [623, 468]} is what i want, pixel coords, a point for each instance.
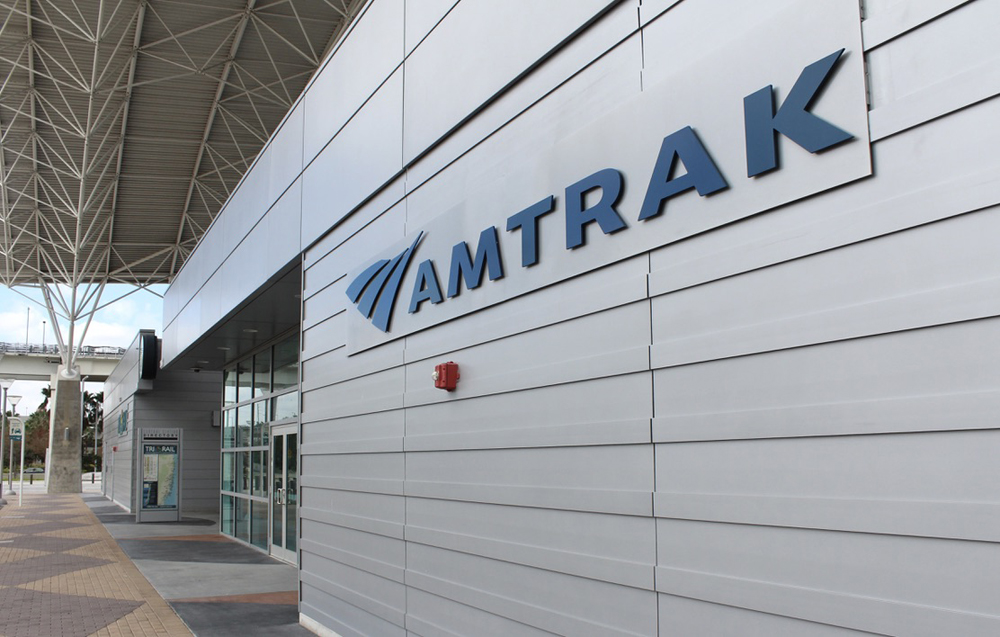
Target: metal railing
{"type": "Point", "coordinates": [86, 351]}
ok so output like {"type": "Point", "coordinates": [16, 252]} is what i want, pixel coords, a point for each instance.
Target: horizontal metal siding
{"type": "Point", "coordinates": [377, 516]}
{"type": "Point", "coordinates": [824, 404]}
{"type": "Point", "coordinates": [781, 426]}
{"type": "Point", "coordinates": [468, 58]}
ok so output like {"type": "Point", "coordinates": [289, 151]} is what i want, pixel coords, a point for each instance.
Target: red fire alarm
{"type": "Point", "coordinates": [446, 376]}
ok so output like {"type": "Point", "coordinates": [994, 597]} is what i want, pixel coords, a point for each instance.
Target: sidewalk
{"type": "Point", "coordinates": [62, 574]}
{"type": "Point", "coordinates": [79, 565]}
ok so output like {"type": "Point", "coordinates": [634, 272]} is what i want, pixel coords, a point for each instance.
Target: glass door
{"type": "Point", "coordinates": [284, 492]}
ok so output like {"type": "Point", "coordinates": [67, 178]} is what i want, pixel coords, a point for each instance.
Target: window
{"type": "Point", "coordinates": [262, 373]}
{"type": "Point", "coordinates": [244, 378]}
{"type": "Point", "coordinates": [286, 364]}
{"type": "Point", "coordinates": [257, 391]}
{"type": "Point", "coordinates": [229, 428]}
{"type": "Point", "coordinates": [229, 386]}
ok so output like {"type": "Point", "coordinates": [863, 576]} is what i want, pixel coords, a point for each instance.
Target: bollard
{"type": "Point", "coordinates": [31, 479]}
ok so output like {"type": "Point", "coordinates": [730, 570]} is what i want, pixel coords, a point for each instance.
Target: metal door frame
{"type": "Point", "coordinates": [274, 549]}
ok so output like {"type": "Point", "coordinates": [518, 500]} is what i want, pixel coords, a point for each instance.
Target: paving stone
{"type": "Point", "coordinates": [42, 526]}
{"type": "Point", "coordinates": [43, 566]}
{"type": "Point", "coordinates": [62, 574]}
{"type": "Point", "coordinates": [30, 613]}
{"type": "Point", "coordinates": [47, 543]}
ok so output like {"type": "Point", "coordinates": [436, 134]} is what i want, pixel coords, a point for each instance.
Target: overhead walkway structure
{"type": "Point", "coordinates": [39, 362]}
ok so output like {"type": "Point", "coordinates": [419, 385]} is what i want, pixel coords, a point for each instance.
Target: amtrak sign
{"type": "Point", "coordinates": [798, 133]}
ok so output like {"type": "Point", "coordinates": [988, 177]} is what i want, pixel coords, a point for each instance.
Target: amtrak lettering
{"type": "Point", "coordinates": [591, 204]}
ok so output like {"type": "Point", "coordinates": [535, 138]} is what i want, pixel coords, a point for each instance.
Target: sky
{"type": "Point", "coordinates": [116, 325]}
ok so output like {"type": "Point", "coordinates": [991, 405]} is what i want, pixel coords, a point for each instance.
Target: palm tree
{"type": "Point", "coordinates": [93, 419]}
{"type": "Point", "coordinates": [93, 409]}
{"type": "Point", "coordinates": [36, 437]}
{"type": "Point", "coordinates": [47, 392]}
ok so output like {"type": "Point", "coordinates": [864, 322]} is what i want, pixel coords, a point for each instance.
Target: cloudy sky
{"type": "Point", "coordinates": [116, 325]}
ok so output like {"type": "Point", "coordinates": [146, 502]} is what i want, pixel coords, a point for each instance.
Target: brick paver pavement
{"type": "Point", "coordinates": [62, 575]}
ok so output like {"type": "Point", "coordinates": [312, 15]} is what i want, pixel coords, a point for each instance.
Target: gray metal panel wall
{"type": "Point", "coordinates": [124, 378]}
{"type": "Point", "coordinates": [186, 400]}
{"type": "Point", "coordinates": [824, 404]}
{"type": "Point", "coordinates": [352, 115]}
{"type": "Point", "coordinates": [119, 393]}
{"type": "Point", "coordinates": [784, 425]}
{"type": "Point", "coordinates": [175, 399]}
{"type": "Point", "coordinates": [118, 454]}
{"type": "Point", "coordinates": [237, 255]}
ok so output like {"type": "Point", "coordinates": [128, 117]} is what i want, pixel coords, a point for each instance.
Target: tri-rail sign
{"type": "Point", "coordinates": [16, 429]}
{"type": "Point", "coordinates": [691, 154]}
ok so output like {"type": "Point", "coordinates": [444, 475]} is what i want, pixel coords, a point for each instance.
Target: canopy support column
{"type": "Point", "coordinates": [65, 464]}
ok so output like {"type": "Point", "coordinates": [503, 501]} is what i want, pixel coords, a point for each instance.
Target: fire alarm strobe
{"type": "Point", "coordinates": [446, 376]}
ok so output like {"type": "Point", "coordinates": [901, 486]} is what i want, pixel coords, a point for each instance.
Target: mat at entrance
{"type": "Point", "coordinates": [217, 586]}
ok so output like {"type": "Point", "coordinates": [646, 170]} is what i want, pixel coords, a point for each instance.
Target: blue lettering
{"type": "Point", "coordinates": [594, 199]}
{"type": "Point", "coordinates": [610, 182]}
{"type": "Point", "coordinates": [702, 173]}
{"type": "Point", "coordinates": [792, 120]}
{"type": "Point", "coordinates": [527, 222]}
{"type": "Point", "coordinates": [426, 288]}
{"type": "Point", "coordinates": [462, 265]}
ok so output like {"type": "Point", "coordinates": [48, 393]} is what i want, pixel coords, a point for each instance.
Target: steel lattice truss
{"type": "Point", "coordinates": [125, 125]}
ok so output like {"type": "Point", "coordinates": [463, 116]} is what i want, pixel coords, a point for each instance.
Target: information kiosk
{"type": "Point", "coordinates": [158, 479]}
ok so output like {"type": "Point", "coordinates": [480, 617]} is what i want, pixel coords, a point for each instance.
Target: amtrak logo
{"type": "Point", "coordinates": [593, 206]}
{"type": "Point", "coordinates": [375, 290]}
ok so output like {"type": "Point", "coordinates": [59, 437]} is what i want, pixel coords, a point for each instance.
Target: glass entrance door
{"type": "Point", "coordinates": [284, 492]}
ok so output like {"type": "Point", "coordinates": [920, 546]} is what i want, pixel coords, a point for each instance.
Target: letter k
{"type": "Point", "coordinates": [792, 120]}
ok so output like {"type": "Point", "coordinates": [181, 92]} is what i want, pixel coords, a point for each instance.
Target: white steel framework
{"type": "Point", "coordinates": [125, 125]}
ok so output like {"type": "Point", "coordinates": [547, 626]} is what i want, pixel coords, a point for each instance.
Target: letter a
{"type": "Point", "coordinates": [702, 173]}
{"type": "Point", "coordinates": [426, 287]}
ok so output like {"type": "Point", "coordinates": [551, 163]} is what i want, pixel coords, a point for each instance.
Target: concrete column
{"type": "Point", "coordinates": [65, 429]}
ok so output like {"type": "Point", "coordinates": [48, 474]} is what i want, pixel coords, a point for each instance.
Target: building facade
{"type": "Point", "coordinates": [719, 279]}
{"type": "Point", "coordinates": [138, 395]}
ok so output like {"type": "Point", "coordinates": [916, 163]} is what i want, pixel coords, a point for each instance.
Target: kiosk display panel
{"type": "Point", "coordinates": [159, 481]}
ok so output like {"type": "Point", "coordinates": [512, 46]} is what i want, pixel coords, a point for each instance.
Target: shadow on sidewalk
{"type": "Point", "coordinates": [218, 586]}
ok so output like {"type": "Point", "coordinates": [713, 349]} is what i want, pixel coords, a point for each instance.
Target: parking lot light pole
{"type": "Point", "coordinates": [5, 384]}
{"type": "Point", "coordinates": [10, 454]}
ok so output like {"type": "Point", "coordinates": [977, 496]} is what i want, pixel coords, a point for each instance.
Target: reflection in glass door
{"type": "Point", "coordinates": [284, 492]}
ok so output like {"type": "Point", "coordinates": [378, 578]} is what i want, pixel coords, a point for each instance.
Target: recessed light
{"type": "Point", "coordinates": [250, 330]}
{"type": "Point", "coordinates": [224, 349]}
{"type": "Point", "coordinates": [203, 362]}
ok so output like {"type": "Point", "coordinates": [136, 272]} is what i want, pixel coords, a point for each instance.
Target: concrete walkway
{"type": "Point", "coordinates": [79, 565]}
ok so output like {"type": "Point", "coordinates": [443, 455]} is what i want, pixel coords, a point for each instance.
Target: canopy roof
{"type": "Point", "coordinates": [125, 124]}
